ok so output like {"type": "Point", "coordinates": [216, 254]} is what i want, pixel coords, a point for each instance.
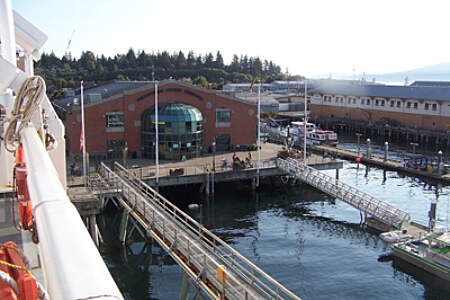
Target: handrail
{"type": "Point", "coordinates": [168, 234]}
{"type": "Point", "coordinates": [379, 209]}
{"type": "Point", "coordinates": [72, 265]}
{"type": "Point", "coordinates": [248, 270]}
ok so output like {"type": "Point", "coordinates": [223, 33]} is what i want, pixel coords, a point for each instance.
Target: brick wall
{"type": "Point", "coordinates": [242, 130]}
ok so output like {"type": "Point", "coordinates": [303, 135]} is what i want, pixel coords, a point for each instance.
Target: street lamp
{"type": "Point", "coordinates": [214, 155]}
{"type": "Point", "coordinates": [213, 165]}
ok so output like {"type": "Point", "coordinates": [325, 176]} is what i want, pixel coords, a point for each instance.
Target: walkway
{"type": "Point", "coordinates": [215, 267]}
{"type": "Point", "coordinates": [380, 210]}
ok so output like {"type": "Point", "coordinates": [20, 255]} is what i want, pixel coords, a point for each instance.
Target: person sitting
{"type": "Point", "coordinates": [235, 157]}
{"type": "Point", "coordinates": [248, 160]}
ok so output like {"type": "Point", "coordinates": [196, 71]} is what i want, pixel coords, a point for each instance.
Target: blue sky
{"type": "Point", "coordinates": [308, 37]}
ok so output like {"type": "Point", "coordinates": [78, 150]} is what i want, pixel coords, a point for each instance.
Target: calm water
{"type": "Point", "coordinates": [314, 246]}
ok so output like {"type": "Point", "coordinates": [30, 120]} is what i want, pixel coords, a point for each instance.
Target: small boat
{"type": "Point", "coordinates": [314, 135]}
{"type": "Point", "coordinates": [395, 236]}
{"type": "Point", "coordinates": [431, 253]}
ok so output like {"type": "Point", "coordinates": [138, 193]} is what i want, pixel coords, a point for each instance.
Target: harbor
{"type": "Point", "coordinates": [192, 189]}
{"type": "Point", "coordinates": [321, 235]}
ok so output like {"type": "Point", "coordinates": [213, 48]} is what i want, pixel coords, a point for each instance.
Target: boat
{"type": "Point", "coordinates": [431, 253]}
{"type": "Point", "coordinates": [396, 236]}
{"type": "Point", "coordinates": [314, 135]}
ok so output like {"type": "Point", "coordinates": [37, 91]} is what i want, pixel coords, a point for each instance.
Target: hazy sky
{"type": "Point", "coordinates": [308, 37]}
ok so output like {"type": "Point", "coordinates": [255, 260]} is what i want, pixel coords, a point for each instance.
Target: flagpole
{"type": "Point", "coordinates": [156, 136]}
{"type": "Point", "coordinates": [83, 136]}
{"type": "Point", "coordinates": [259, 133]}
{"type": "Point", "coordinates": [304, 122]}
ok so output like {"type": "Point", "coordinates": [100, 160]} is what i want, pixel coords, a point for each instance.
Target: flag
{"type": "Point", "coordinates": [252, 85]}
{"type": "Point", "coordinates": [81, 140]}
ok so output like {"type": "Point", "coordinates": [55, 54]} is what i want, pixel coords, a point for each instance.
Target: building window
{"type": "Point", "coordinates": [368, 102]}
{"type": "Point", "coordinates": [223, 117]}
{"type": "Point", "coordinates": [399, 104]}
{"type": "Point", "coordinates": [349, 100]}
{"type": "Point", "coordinates": [408, 104]}
{"type": "Point", "coordinates": [434, 107]}
{"type": "Point", "coordinates": [376, 102]}
{"type": "Point", "coordinates": [354, 100]}
{"type": "Point", "coordinates": [427, 106]}
{"type": "Point", "coordinates": [391, 103]}
{"type": "Point", "coordinates": [382, 102]}
{"type": "Point", "coordinates": [362, 101]}
{"type": "Point", "coordinates": [114, 119]}
{"type": "Point", "coordinates": [416, 105]}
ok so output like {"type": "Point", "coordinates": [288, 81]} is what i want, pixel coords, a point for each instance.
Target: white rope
{"type": "Point", "coordinates": [29, 98]}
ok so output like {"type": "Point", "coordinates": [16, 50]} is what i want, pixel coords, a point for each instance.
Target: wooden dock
{"type": "Point", "coordinates": [380, 162]}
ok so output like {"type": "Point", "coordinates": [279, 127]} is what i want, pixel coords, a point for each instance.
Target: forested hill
{"type": "Point", "coordinates": [208, 70]}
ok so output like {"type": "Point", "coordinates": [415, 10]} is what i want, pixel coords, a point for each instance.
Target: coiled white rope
{"type": "Point", "coordinates": [30, 96]}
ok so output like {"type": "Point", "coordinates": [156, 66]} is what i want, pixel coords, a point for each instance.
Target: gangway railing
{"type": "Point", "coordinates": [219, 270]}
{"type": "Point", "coordinates": [378, 209]}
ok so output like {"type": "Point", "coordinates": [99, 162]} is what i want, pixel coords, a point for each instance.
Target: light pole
{"type": "Point", "coordinates": [213, 165]}
{"type": "Point", "coordinates": [358, 135]}
{"type": "Point", "coordinates": [258, 144]}
{"type": "Point", "coordinates": [214, 155]}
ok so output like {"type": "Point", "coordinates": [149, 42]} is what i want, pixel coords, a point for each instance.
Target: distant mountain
{"type": "Point", "coordinates": [439, 72]}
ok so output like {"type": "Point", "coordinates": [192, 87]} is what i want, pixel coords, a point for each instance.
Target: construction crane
{"type": "Point", "coordinates": [67, 54]}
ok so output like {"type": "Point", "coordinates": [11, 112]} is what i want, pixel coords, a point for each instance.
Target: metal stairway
{"type": "Point", "coordinates": [214, 266]}
{"type": "Point", "coordinates": [378, 209]}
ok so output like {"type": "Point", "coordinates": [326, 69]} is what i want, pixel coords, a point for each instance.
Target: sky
{"type": "Point", "coordinates": [306, 37]}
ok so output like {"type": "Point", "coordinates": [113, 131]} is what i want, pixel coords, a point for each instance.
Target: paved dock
{"type": "Point", "coordinates": [201, 166]}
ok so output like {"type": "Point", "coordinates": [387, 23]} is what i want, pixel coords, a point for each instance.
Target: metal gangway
{"type": "Point", "coordinates": [376, 208]}
{"type": "Point", "coordinates": [212, 265]}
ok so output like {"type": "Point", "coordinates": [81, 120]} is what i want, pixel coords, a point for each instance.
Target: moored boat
{"type": "Point", "coordinates": [431, 254]}
{"type": "Point", "coordinates": [314, 135]}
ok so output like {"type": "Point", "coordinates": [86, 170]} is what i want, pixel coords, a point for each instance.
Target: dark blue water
{"type": "Point", "coordinates": [308, 242]}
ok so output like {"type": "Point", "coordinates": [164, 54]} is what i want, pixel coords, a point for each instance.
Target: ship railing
{"type": "Point", "coordinates": [72, 264]}
{"type": "Point", "coordinates": [366, 203]}
{"type": "Point", "coordinates": [197, 237]}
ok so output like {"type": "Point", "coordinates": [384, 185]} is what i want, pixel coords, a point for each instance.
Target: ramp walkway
{"type": "Point", "coordinates": [215, 267]}
{"type": "Point", "coordinates": [378, 209]}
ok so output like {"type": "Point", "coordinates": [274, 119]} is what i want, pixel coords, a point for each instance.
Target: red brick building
{"type": "Point", "coordinates": [115, 114]}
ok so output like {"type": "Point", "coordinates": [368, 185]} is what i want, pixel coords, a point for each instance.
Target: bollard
{"type": "Point", "coordinates": [440, 162]}
{"type": "Point", "coordinates": [386, 149]}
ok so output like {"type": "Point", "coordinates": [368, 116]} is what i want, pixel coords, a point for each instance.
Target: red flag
{"type": "Point", "coordinates": [81, 140]}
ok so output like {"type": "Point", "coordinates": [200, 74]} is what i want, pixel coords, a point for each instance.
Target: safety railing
{"type": "Point", "coordinates": [378, 209]}
{"type": "Point", "coordinates": [149, 172]}
{"type": "Point", "coordinates": [211, 260]}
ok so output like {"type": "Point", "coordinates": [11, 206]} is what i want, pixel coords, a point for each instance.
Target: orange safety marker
{"type": "Point", "coordinates": [26, 214]}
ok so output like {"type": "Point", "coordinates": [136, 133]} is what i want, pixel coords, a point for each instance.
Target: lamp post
{"type": "Point", "coordinates": [258, 144]}
{"type": "Point", "coordinates": [213, 165]}
{"type": "Point", "coordinates": [358, 135]}
{"type": "Point", "coordinates": [156, 137]}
